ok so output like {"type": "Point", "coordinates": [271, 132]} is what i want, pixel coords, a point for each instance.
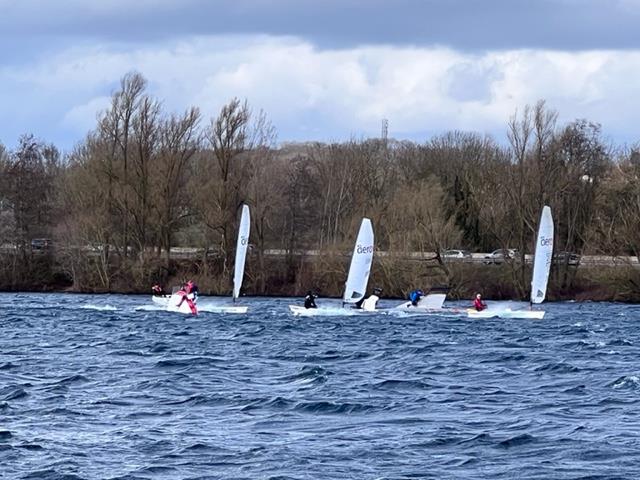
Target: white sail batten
{"type": "Point", "coordinates": [356, 286]}
{"type": "Point", "coordinates": [543, 257]}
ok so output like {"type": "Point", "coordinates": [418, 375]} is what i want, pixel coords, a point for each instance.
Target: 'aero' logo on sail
{"type": "Point", "coordinates": [364, 249]}
{"type": "Point", "coordinates": [544, 242]}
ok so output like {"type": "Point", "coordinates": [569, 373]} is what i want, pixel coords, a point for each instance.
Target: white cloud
{"type": "Point", "coordinates": [329, 94]}
{"type": "Point", "coordinates": [84, 117]}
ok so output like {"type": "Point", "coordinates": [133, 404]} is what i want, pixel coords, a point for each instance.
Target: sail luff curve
{"type": "Point", "coordinates": [358, 277]}
{"type": "Point", "coordinates": [543, 257]}
{"type": "Point", "coordinates": [241, 250]}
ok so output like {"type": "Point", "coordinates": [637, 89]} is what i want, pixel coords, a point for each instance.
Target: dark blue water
{"type": "Point", "coordinates": [92, 387]}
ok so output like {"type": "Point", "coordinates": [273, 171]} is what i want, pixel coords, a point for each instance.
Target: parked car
{"type": "Point", "coordinates": [8, 247]}
{"type": "Point", "coordinates": [456, 254]}
{"type": "Point", "coordinates": [566, 258]}
{"type": "Point", "coordinates": [40, 244]}
{"type": "Point", "coordinates": [499, 256]}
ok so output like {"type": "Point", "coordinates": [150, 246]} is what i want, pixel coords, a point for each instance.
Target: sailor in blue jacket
{"type": "Point", "coordinates": [415, 297]}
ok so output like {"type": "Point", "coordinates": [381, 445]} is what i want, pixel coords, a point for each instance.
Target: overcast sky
{"type": "Point", "coordinates": [323, 69]}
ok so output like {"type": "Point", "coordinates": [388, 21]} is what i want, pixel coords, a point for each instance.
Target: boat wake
{"type": "Point", "coordinates": [100, 308]}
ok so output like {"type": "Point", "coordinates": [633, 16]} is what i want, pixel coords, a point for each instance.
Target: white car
{"type": "Point", "coordinates": [458, 254]}
{"type": "Point", "coordinates": [499, 256]}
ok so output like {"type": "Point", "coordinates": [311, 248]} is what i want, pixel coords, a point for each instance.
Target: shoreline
{"type": "Point", "coordinates": [325, 275]}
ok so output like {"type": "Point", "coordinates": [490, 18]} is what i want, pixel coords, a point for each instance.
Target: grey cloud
{"type": "Point", "coordinates": [460, 24]}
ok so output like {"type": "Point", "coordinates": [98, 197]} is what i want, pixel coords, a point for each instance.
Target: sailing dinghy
{"type": "Point", "coordinates": [174, 303]}
{"type": "Point", "coordinates": [432, 302]}
{"type": "Point", "coordinates": [541, 266]}
{"type": "Point", "coordinates": [357, 279]}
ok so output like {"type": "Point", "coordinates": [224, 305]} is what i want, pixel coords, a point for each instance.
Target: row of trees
{"type": "Point", "coordinates": [144, 181]}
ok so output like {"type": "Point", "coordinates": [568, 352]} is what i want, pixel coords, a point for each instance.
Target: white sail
{"type": "Point", "coordinates": [360, 268]}
{"type": "Point", "coordinates": [543, 257]}
{"type": "Point", "coordinates": [241, 250]}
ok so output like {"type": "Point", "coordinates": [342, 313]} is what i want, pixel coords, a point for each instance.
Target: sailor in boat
{"type": "Point", "coordinates": [182, 293]}
{"type": "Point", "coordinates": [158, 291]}
{"type": "Point", "coordinates": [415, 297]}
{"type": "Point", "coordinates": [310, 300]}
{"type": "Point", "coordinates": [478, 304]}
{"type": "Point", "coordinates": [188, 293]}
{"type": "Point", "coordinates": [371, 301]}
{"type": "Point", "coordinates": [193, 289]}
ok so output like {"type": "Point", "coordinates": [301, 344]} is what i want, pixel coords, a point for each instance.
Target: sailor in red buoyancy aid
{"type": "Point", "coordinates": [478, 304]}
{"type": "Point", "coordinates": [189, 293]}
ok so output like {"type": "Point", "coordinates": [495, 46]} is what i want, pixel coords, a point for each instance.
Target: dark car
{"type": "Point", "coordinates": [566, 258]}
{"type": "Point", "coordinates": [499, 256]}
{"type": "Point", "coordinates": [40, 244]}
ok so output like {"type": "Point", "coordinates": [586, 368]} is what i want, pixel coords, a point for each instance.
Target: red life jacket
{"type": "Point", "coordinates": [192, 306]}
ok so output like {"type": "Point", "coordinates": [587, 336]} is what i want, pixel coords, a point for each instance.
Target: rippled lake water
{"type": "Point", "coordinates": [106, 387]}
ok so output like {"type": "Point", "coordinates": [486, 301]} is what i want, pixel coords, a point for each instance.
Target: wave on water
{"type": "Point", "coordinates": [276, 403]}
{"type": "Point", "coordinates": [402, 385]}
{"type": "Point", "coordinates": [50, 474]}
{"type": "Point", "coordinates": [12, 393]}
{"type": "Point", "coordinates": [557, 367]}
{"type": "Point", "coordinates": [479, 439]}
{"type": "Point", "coordinates": [308, 375]}
{"type": "Point", "coordinates": [189, 362]}
{"type": "Point", "coordinates": [585, 344]}
{"type": "Point", "coordinates": [320, 407]}
{"type": "Point", "coordinates": [267, 395]}
{"type": "Point", "coordinates": [626, 382]}
{"type": "Point", "coordinates": [71, 379]}
{"type": "Point", "coordinates": [150, 308]}
{"type": "Point", "coordinates": [333, 408]}
{"type": "Point", "coordinates": [64, 412]}
{"type": "Point", "coordinates": [518, 440]}
{"type": "Point", "coordinates": [577, 390]}
{"type": "Point", "coordinates": [100, 308]}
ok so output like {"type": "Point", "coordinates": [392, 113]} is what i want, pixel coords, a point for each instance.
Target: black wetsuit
{"type": "Point", "coordinates": [310, 301]}
{"type": "Point", "coordinates": [158, 291]}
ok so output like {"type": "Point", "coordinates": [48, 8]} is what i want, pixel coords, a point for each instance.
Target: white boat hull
{"type": "Point", "coordinates": [222, 309]}
{"type": "Point", "coordinates": [431, 303]}
{"type": "Point", "coordinates": [170, 304]}
{"type": "Point", "coordinates": [163, 301]}
{"type": "Point", "coordinates": [506, 313]}
{"type": "Point", "coordinates": [299, 311]}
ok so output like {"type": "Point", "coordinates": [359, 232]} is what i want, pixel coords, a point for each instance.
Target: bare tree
{"type": "Point", "coordinates": [178, 143]}
{"type": "Point", "coordinates": [232, 138]}
{"type": "Point", "coordinates": [30, 190]}
{"type": "Point", "coordinates": [265, 190]}
{"type": "Point", "coordinates": [423, 227]}
{"type": "Point", "coordinates": [114, 132]}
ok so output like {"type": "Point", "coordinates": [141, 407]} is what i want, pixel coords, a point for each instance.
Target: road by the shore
{"type": "Point", "coordinates": [478, 257]}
